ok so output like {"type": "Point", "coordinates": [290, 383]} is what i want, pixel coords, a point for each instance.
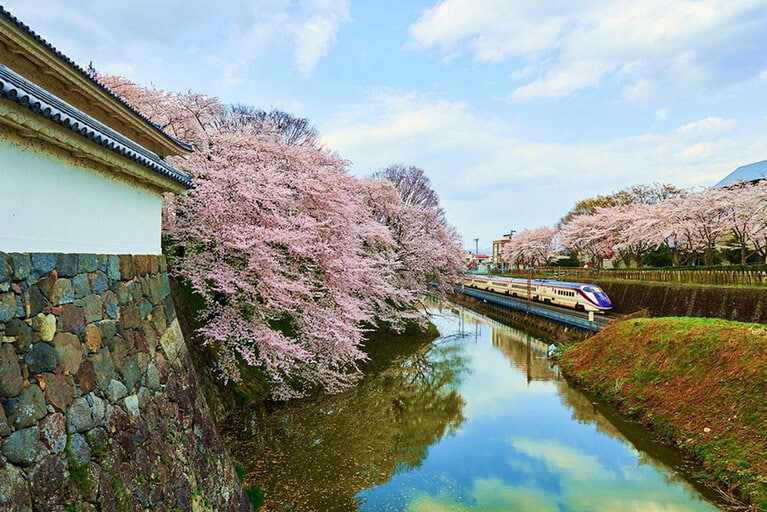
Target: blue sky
{"type": "Point", "coordinates": [514, 109]}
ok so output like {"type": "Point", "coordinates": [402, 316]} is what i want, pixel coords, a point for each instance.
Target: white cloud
{"type": "Point", "coordinates": [491, 177]}
{"type": "Point", "coordinates": [662, 114]}
{"type": "Point", "coordinates": [314, 36]}
{"type": "Point", "coordinates": [708, 125]}
{"type": "Point", "coordinates": [228, 34]}
{"type": "Point", "coordinates": [645, 48]}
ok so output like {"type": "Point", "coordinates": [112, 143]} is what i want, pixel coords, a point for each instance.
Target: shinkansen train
{"type": "Point", "coordinates": [580, 296]}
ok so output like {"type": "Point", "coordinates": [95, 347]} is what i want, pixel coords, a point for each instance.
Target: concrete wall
{"type": "Point", "coordinates": [49, 205]}
{"type": "Point", "coordinates": [101, 409]}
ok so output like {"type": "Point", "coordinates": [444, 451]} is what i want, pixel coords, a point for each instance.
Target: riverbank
{"type": "Point", "coordinates": [697, 382]}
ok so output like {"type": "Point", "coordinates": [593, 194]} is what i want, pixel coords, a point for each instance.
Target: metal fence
{"type": "Point", "coordinates": [712, 277]}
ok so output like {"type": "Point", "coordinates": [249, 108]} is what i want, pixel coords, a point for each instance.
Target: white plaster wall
{"type": "Point", "coordinates": [47, 205]}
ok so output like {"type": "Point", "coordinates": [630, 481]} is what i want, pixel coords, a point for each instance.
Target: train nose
{"type": "Point", "coordinates": [603, 300]}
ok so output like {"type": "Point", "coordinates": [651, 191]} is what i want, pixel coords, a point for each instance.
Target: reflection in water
{"type": "Point", "coordinates": [478, 420]}
{"type": "Point", "coordinates": [318, 454]}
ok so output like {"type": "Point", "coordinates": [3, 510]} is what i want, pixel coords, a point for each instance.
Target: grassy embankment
{"type": "Point", "coordinates": [700, 383]}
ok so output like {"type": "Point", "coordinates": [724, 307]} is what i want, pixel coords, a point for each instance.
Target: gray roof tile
{"type": "Point", "coordinates": [16, 88]}
{"type": "Point", "coordinates": [183, 145]}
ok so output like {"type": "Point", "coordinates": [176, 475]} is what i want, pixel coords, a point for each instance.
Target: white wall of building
{"type": "Point", "coordinates": [47, 205]}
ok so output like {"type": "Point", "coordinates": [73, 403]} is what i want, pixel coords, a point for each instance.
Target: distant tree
{"type": "Point", "coordinates": [590, 237]}
{"type": "Point", "coordinates": [294, 130]}
{"type": "Point", "coordinates": [413, 186]}
{"type": "Point", "coordinates": [530, 247]}
{"type": "Point", "coordinates": [745, 216]}
{"type": "Point", "coordinates": [696, 223]}
{"type": "Point", "coordinates": [634, 227]}
{"type": "Point", "coordinates": [645, 194]}
{"type": "Point", "coordinates": [758, 236]}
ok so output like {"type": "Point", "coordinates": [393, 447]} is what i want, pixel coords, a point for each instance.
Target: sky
{"type": "Point", "coordinates": [514, 109]}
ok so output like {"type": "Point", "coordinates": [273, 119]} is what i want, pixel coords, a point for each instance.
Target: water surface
{"type": "Point", "coordinates": [477, 420]}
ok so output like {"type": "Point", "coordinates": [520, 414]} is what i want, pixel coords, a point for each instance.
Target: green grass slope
{"type": "Point", "coordinates": [700, 383]}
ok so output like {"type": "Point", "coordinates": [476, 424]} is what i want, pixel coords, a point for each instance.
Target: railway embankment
{"type": "Point", "coordinates": [662, 299]}
{"type": "Point", "coordinates": [697, 382]}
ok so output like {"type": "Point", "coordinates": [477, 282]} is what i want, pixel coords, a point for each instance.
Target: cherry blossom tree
{"type": "Point", "coordinates": [426, 249]}
{"type": "Point", "coordinates": [696, 223]}
{"type": "Point", "coordinates": [745, 216]}
{"type": "Point", "coordinates": [292, 255]}
{"type": "Point", "coordinates": [591, 236]}
{"type": "Point", "coordinates": [758, 235]}
{"type": "Point", "coordinates": [531, 247]}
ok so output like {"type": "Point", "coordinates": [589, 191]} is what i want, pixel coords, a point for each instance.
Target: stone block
{"type": "Point", "coordinates": [113, 268]}
{"type": "Point", "coordinates": [81, 285]}
{"type": "Point", "coordinates": [21, 311]}
{"type": "Point", "coordinates": [59, 390]}
{"type": "Point", "coordinates": [154, 263]}
{"type": "Point", "coordinates": [68, 265]}
{"type": "Point", "coordinates": [136, 341]}
{"type": "Point", "coordinates": [170, 309]}
{"type": "Point", "coordinates": [144, 308]}
{"type": "Point", "coordinates": [150, 337]}
{"type": "Point", "coordinates": [152, 377]}
{"type": "Point", "coordinates": [21, 447]}
{"type": "Point", "coordinates": [79, 416]}
{"type": "Point", "coordinates": [53, 432]}
{"type": "Point", "coordinates": [22, 332]}
{"type": "Point", "coordinates": [5, 427]}
{"type": "Point", "coordinates": [172, 342]}
{"type": "Point", "coordinates": [110, 305]}
{"type": "Point", "coordinates": [35, 301]}
{"type": "Point", "coordinates": [28, 408]}
{"type": "Point", "coordinates": [93, 338]}
{"type": "Point", "coordinates": [72, 319]}
{"type": "Point", "coordinates": [131, 373]}
{"type": "Point", "coordinates": [86, 377]}
{"type": "Point", "coordinates": [47, 326]}
{"type": "Point", "coordinates": [14, 490]}
{"type": "Point", "coordinates": [11, 381]}
{"type": "Point", "coordinates": [45, 284]}
{"type": "Point", "coordinates": [41, 357]}
{"type": "Point", "coordinates": [69, 352]}
{"type": "Point", "coordinates": [131, 407]}
{"type": "Point", "coordinates": [22, 266]}
{"type": "Point", "coordinates": [44, 262]}
{"type": "Point", "coordinates": [103, 368]}
{"type": "Point", "coordinates": [63, 292]}
{"type": "Point", "coordinates": [87, 263]}
{"type": "Point", "coordinates": [79, 450]}
{"type": "Point", "coordinates": [127, 268]}
{"type": "Point", "coordinates": [93, 308]}
{"type": "Point", "coordinates": [47, 482]}
{"type": "Point", "coordinates": [116, 391]}
{"type": "Point", "coordinates": [119, 351]}
{"type": "Point", "coordinates": [108, 329]}
{"type": "Point", "coordinates": [5, 269]}
{"type": "Point", "coordinates": [7, 307]}
{"type": "Point", "coordinates": [99, 282]}
{"type": "Point", "coordinates": [141, 264]}
{"type": "Point", "coordinates": [130, 315]}
{"type": "Point", "coordinates": [124, 291]}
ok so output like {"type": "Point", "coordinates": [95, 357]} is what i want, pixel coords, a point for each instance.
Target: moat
{"type": "Point", "coordinates": [479, 419]}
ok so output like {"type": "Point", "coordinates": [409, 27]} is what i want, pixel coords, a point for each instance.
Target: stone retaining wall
{"type": "Point", "coordinates": [731, 303]}
{"type": "Point", "coordinates": [101, 409]}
